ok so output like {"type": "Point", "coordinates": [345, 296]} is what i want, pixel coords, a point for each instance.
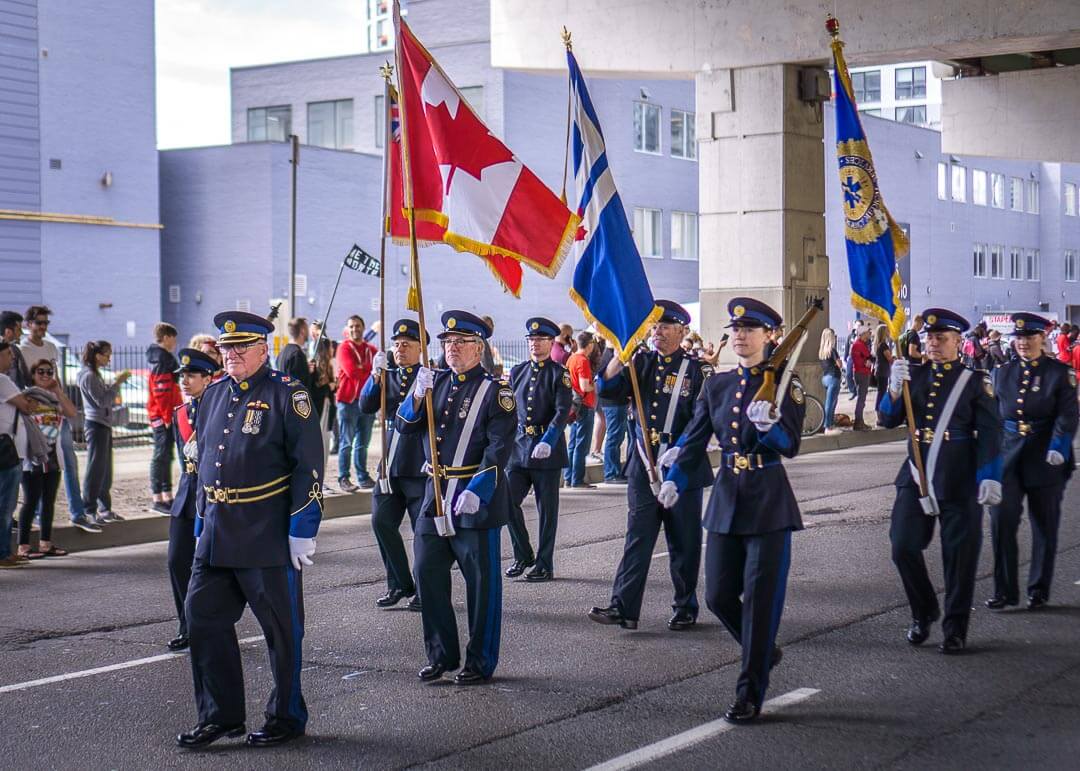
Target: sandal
{"type": "Point", "coordinates": [55, 551]}
{"type": "Point", "coordinates": [31, 555]}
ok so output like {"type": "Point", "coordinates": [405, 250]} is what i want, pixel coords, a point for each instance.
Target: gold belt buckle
{"type": "Point", "coordinates": [742, 462]}
{"type": "Point", "coordinates": [928, 434]}
{"type": "Point", "coordinates": [1023, 428]}
{"type": "Point", "coordinates": [530, 430]}
{"type": "Point", "coordinates": [654, 436]}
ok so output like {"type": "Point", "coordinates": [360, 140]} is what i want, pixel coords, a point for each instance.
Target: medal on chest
{"type": "Point", "coordinates": [669, 383]}
{"type": "Point", "coordinates": [464, 411]}
{"type": "Point", "coordinates": [252, 422]}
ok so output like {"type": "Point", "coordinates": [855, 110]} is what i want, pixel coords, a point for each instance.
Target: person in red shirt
{"type": "Point", "coordinates": [163, 399]}
{"type": "Point", "coordinates": [1065, 343]}
{"type": "Point", "coordinates": [581, 381]}
{"type": "Point", "coordinates": [860, 361]}
{"type": "Point", "coordinates": [354, 359]}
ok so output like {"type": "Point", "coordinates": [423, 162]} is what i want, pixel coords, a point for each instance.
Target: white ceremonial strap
{"type": "Point", "coordinates": [673, 403]}
{"type": "Point", "coordinates": [939, 435]}
{"type": "Point", "coordinates": [465, 437]}
{"type": "Point", "coordinates": [392, 452]}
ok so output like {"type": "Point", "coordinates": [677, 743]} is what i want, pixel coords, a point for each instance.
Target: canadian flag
{"type": "Point", "coordinates": [468, 189]}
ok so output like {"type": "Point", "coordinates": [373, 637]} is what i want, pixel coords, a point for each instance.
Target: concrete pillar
{"type": "Point", "coordinates": [761, 196]}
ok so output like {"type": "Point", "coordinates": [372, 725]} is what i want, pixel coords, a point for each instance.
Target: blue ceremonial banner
{"type": "Point", "coordinates": [874, 241]}
{"type": "Point", "coordinates": [610, 285]}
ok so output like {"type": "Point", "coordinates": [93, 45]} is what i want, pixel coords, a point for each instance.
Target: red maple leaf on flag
{"type": "Point", "coordinates": [463, 142]}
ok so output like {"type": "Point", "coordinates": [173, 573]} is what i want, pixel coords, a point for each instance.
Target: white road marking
{"type": "Point", "coordinates": [1077, 583]}
{"type": "Point", "coordinates": [686, 739]}
{"type": "Point", "coordinates": [103, 670]}
{"type": "Point", "coordinates": [664, 553]}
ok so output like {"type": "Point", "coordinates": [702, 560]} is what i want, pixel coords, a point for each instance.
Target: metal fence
{"type": "Point", "coordinates": [134, 392]}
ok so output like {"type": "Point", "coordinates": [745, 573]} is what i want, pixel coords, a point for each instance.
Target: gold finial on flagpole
{"type": "Point", "coordinates": [832, 26]}
{"type": "Point", "coordinates": [387, 71]}
{"type": "Point", "coordinates": [566, 39]}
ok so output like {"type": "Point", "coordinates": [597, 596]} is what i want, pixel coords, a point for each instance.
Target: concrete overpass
{"type": "Point", "coordinates": [760, 174]}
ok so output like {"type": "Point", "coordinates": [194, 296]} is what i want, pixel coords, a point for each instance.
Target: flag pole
{"type": "Point", "coordinates": [415, 290]}
{"type": "Point", "coordinates": [387, 72]}
{"type": "Point", "coordinates": [329, 305]}
{"type": "Point", "coordinates": [654, 474]}
{"type": "Point", "coordinates": [569, 98]}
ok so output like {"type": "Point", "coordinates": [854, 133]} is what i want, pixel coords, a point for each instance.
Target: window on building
{"type": "Point", "coordinates": [1016, 263]}
{"type": "Point", "coordinates": [959, 183]}
{"type": "Point", "coordinates": [1031, 267]}
{"type": "Point", "coordinates": [646, 127]}
{"type": "Point", "coordinates": [379, 24]}
{"type": "Point", "coordinates": [684, 236]}
{"type": "Point", "coordinates": [1016, 194]}
{"type": "Point", "coordinates": [997, 190]}
{"type": "Point", "coordinates": [1070, 199]}
{"type": "Point", "coordinates": [269, 124]}
{"type": "Point", "coordinates": [648, 231]}
{"type": "Point", "coordinates": [330, 124]}
{"type": "Point", "coordinates": [474, 95]}
{"type": "Point", "coordinates": [875, 111]}
{"type": "Point", "coordinates": [978, 187]}
{"type": "Point", "coordinates": [979, 254]}
{"type": "Point", "coordinates": [911, 83]}
{"type": "Point", "coordinates": [683, 141]}
{"type": "Point", "coordinates": [914, 114]}
{"type": "Point", "coordinates": [1031, 191]}
{"type": "Point", "coordinates": [867, 86]}
{"type": "Point", "coordinates": [1070, 265]}
{"type": "Point", "coordinates": [942, 182]}
{"type": "Point", "coordinates": [997, 261]}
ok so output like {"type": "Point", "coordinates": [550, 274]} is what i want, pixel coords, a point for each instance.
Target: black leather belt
{"type": "Point", "coordinates": [926, 435]}
{"type": "Point", "coordinates": [1028, 427]}
{"type": "Point", "coordinates": [738, 462]}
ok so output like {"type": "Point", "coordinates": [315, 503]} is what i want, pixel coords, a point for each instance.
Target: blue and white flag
{"type": "Point", "coordinates": [610, 285]}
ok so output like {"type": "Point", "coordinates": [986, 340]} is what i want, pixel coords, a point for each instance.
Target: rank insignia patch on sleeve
{"type": "Point", "coordinates": [566, 379]}
{"type": "Point", "coordinates": [797, 394]}
{"type": "Point", "coordinates": [506, 400]}
{"type": "Point", "coordinates": [988, 386]}
{"type": "Point", "coordinates": [301, 404]}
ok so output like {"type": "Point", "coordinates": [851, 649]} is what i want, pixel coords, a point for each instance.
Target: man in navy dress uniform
{"type": "Point", "coordinates": [543, 392]}
{"type": "Point", "coordinates": [475, 417]}
{"type": "Point", "coordinates": [670, 381]}
{"type": "Point", "coordinates": [1037, 401]}
{"type": "Point", "coordinates": [752, 510]}
{"type": "Point", "coordinates": [196, 370]}
{"type": "Point", "coordinates": [959, 435]}
{"type": "Point", "coordinates": [258, 509]}
{"type": "Point", "coordinates": [402, 490]}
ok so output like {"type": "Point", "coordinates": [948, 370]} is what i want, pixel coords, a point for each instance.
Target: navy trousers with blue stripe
{"type": "Point", "coordinates": [756, 567]}
{"type": "Point", "coordinates": [477, 552]}
{"type": "Point", "coordinates": [215, 601]}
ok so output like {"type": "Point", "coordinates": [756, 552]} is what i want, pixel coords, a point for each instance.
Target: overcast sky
{"type": "Point", "coordinates": [199, 40]}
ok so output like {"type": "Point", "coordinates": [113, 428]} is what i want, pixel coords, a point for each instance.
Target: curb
{"type": "Point", "coordinates": [148, 529]}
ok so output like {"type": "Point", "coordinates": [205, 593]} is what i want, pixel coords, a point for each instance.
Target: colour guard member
{"type": "Point", "coordinates": [543, 392]}
{"type": "Point", "coordinates": [959, 434]}
{"type": "Point", "coordinates": [670, 382]}
{"type": "Point", "coordinates": [475, 417]}
{"type": "Point", "coordinates": [258, 509]}
{"type": "Point", "coordinates": [196, 371]}
{"type": "Point", "coordinates": [752, 510]}
{"type": "Point", "coordinates": [402, 490]}
{"type": "Point", "coordinates": [1037, 400]}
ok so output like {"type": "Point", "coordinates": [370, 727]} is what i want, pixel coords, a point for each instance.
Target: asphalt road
{"type": "Point", "coordinates": [568, 693]}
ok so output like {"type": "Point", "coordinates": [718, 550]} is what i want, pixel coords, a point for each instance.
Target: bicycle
{"type": "Point", "coordinates": [814, 420]}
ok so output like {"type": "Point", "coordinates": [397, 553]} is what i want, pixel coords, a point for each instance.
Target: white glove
{"type": "Point", "coordinates": [1054, 458]}
{"type": "Point", "coordinates": [378, 364]}
{"type": "Point", "coordinates": [669, 457]}
{"type": "Point", "coordinates": [300, 551]}
{"type": "Point", "coordinates": [425, 379]}
{"type": "Point", "coordinates": [541, 451]}
{"type": "Point", "coordinates": [467, 503]}
{"type": "Point", "coordinates": [901, 371]}
{"type": "Point", "coordinates": [989, 493]}
{"type": "Point", "coordinates": [668, 495]}
{"type": "Point", "coordinates": [759, 413]}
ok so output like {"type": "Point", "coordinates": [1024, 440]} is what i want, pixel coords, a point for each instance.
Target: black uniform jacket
{"type": "Point", "coordinates": [657, 375]}
{"type": "Point", "coordinates": [482, 468]}
{"type": "Point", "coordinates": [1038, 407]}
{"type": "Point", "coordinates": [408, 460]}
{"type": "Point", "coordinates": [971, 450]}
{"type": "Point", "coordinates": [752, 494]}
{"type": "Point", "coordinates": [543, 393]}
{"type": "Point", "coordinates": [260, 470]}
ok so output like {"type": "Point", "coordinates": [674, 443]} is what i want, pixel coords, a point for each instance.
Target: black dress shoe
{"type": "Point", "coordinates": [681, 621]}
{"type": "Point", "coordinates": [1036, 601]}
{"type": "Point", "coordinates": [610, 616]}
{"type": "Point", "coordinates": [207, 733]}
{"type": "Point", "coordinates": [952, 645]}
{"type": "Point", "coordinates": [918, 631]}
{"type": "Point", "coordinates": [518, 567]}
{"type": "Point", "coordinates": [179, 643]}
{"type": "Point", "coordinates": [536, 575]}
{"type": "Point", "coordinates": [432, 672]}
{"type": "Point", "coordinates": [777, 655]}
{"type": "Point", "coordinates": [997, 603]}
{"type": "Point", "coordinates": [742, 711]}
{"type": "Point", "coordinates": [469, 677]}
{"type": "Point", "coordinates": [273, 734]}
{"type": "Point", "coordinates": [414, 604]}
{"type": "Point", "coordinates": [391, 598]}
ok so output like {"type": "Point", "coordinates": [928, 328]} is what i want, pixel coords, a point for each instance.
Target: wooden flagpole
{"type": "Point", "coordinates": [387, 72]}
{"type": "Point", "coordinates": [654, 474]}
{"type": "Point", "coordinates": [569, 97]}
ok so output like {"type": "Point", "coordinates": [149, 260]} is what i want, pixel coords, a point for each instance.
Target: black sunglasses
{"type": "Point", "coordinates": [43, 371]}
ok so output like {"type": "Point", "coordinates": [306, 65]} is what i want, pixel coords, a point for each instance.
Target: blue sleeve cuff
{"type": "Point", "coordinates": [889, 406]}
{"type": "Point", "coordinates": [407, 412]}
{"type": "Point", "coordinates": [1062, 444]}
{"type": "Point", "coordinates": [678, 476]}
{"type": "Point", "coordinates": [305, 523]}
{"type": "Point", "coordinates": [483, 484]}
{"type": "Point", "coordinates": [776, 438]}
{"type": "Point", "coordinates": [369, 386]}
{"type": "Point", "coordinates": [198, 525]}
{"type": "Point", "coordinates": [991, 470]}
{"type": "Point", "coordinates": [551, 436]}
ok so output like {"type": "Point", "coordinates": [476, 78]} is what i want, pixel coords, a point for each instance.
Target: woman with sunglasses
{"type": "Point", "coordinates": [99, 400]}
{"type": "Point", "coordinates": [49, 406]}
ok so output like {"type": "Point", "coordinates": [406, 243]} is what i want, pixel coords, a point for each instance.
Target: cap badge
{"type": "Point", "coordinates": [401, 328]}
{"type": "Point", "coordinates": [931, 319]}
{"type": "Point", "coordinates": [1019, 323]}
{"type": "Point", "coordinates": [738, 311]}
{"type": "Point", "coordinates": [185, 360]}
{"type": "Point", "coordinates": [535, 325]}
{"type": "Point", "coordinates": [451, 323]}
{"type": "Point", "coordinates": [230, 326]}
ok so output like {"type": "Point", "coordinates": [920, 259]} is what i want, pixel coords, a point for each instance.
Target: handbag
{"type": "Point", "coordinates": [9, 455]}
